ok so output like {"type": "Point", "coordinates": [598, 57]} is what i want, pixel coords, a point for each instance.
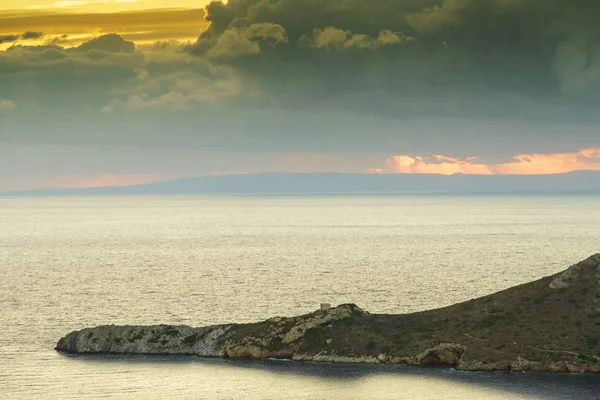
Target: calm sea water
{"type": "Point", "coordinates": [69, 263]}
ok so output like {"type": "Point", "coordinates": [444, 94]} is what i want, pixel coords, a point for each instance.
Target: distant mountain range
{"type": "Point", "coordinates": [580, 182]}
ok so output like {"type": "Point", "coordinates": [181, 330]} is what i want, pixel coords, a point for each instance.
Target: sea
{"type": "Point", "coordinates": [69, 263]}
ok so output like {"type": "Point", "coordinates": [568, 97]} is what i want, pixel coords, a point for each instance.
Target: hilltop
{"type": "Point", "coordinates": [552, 324]}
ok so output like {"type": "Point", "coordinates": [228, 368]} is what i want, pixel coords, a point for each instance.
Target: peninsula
{"type": "Point", "coordinates": [549, 325]}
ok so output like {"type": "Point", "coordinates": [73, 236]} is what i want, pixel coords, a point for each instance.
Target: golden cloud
{"type": "Point", "coordinates": [71, 29]}
{"type": "Point", "coordinates": [522, 164]}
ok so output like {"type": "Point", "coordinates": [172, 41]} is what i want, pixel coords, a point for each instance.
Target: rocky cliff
{"type": "Point", "coordinates": [552, 324]}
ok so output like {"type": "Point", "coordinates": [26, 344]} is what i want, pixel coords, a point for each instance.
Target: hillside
{"type": "Point", "coordinates": [552, 324]}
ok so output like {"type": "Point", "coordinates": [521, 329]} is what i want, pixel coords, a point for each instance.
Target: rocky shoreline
{"type": "Point", "coordinates": [550, 325]}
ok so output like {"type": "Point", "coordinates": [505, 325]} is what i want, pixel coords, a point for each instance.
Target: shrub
{"type": "Point", "coordinates": [592, 341]}
{"type": "Point", "coordinates": [586, 358]}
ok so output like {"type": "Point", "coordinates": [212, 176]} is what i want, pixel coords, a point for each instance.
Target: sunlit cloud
{"type": "Point", "coordinates": [522, 164]}
{"type": "Point", "coordinates": [75, 3]}
{"type": "Point", "coordinates": [144, 28]}
{"type": "Point", "coordinates": [6, 104]}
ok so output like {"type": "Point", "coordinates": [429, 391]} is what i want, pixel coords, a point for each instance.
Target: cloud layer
{"type": "Point", "coordinates": [72, 29]}
{"type": "Point", "coordinates": [462, 59]}
{"type": "Point", "coordinates": [496, 58]}
{"type": "Point", "coordinates": [523, 164]}
{"type": "Point", "coordinates": [492, 78]}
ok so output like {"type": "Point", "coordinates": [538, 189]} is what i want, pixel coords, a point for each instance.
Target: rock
{"type": "Point", "coordinates": [319, 318]}
{"type": "Point", "coordinates": [566, 278]}
{"type": "Point", "coordinates": [444, 353]}
{"type": "Point", "coordinates": [336, 359]}
{"type": "Point", "coordinates": [253, 351]}
{"type": "Point", "coordinates": [159, 339]}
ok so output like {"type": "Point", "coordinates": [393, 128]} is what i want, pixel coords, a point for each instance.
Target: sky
{"type": "Point", "coordinates": [125, 92]}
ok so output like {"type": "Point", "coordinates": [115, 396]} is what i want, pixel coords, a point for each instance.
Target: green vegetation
{"type": "Point", "coordinates": [592, 341]}
{"type": "Point", "coordinates": [586, 358]}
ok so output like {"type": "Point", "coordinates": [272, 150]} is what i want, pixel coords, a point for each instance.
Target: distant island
{"type": "Point", "coordinates": [549, 325]}
{"type": "Point", "coordinates": [580, 182]}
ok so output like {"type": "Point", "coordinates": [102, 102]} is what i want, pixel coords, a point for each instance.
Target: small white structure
{"type": "Point", "coordinates": [325, 306]}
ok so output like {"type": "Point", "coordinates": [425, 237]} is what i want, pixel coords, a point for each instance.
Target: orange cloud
{"type": "Point", "coordinates": [522, 164]}
{"type": "Point", "coordinates": [71, 29]}
{"type": "Point", "coordinates": [98, 180]}
{"type": "Point", "coordinates": [82, 181]}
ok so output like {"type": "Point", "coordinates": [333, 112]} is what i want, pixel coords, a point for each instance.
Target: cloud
{"type": "Point", "coordinates": [523, 164]}
{"type": "Point", "coordinates": [88, 5]}
{"type": "Point", "coordinates": [171, 79]}
{"type": "Point", "coordinates": [241, 41]}
{"type": "Point", "coordinates": [6, 104]}
{"type": "Point", "coordinates": [577, 67]}
{"type": "Point", "coordinates": [111, 43]}
{"type": "Point", "coordinates": [334, 39]}
{"type": "Point", "coordinates": [50, 81]}
{"type": "Point", "coordinates": [400, 76]}
{"type": "Point", "coordinates": [142, 27]}
{"type": "Point", "coordinates": [8, 38]}
{"type": "Point", "coordinates": [31, 35]}
{"type": "Point", "coordinates": [25, 36]}
{"type": "Point", "coordinates": [441, 58]}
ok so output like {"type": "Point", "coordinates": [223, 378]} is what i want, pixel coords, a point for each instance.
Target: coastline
{"type": "Point", "coordinates": [548, 325]}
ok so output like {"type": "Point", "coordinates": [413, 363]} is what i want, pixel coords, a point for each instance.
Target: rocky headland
{"type": "Point", "coordinates": [549, 325]}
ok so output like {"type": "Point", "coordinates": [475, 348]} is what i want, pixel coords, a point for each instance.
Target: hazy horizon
{"type": "Point", "coordinates": [577, 182]}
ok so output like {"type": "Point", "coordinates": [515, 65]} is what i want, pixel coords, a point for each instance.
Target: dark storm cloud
{"type": "Point", "coordinates": [111, 43]}
{"type": "Point", "coordinates": [49, 79]}
{"type": "Point", "coordinates": [24, 36]}
{"type": "Point", "coordinates": [8, 38]}
{"type": "Point", "coordinates": [31, 35]}
{"type": "Point", "coordinates": [497, 58]}
{"type": "Point", "coordinates": [474, 76]}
